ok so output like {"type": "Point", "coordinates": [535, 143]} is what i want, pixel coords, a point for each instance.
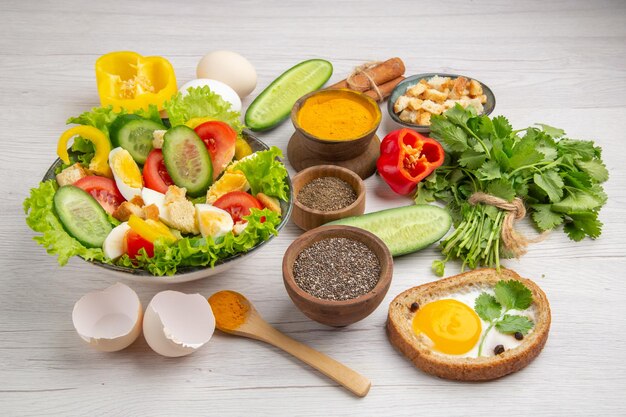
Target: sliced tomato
{"type": "Point", "coordinates": [103, 190]}
{"type": "Point", "coordinates": [219, 139]}
{"type": "Point", "coordinates": [155, 175]}
{"type": "Point", "coordinates": [237, 204]}
{"type": "Point", "coordinates": [133, 242]}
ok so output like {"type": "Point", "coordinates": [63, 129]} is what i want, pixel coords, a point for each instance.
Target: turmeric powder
{"type": "Point", "coordinates": [337, 115]}
{"type": "Point", "coordinates": [229, 308]}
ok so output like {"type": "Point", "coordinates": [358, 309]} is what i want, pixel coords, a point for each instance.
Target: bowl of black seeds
{"type": "Point", "coordinates": [337, 275]}
{"type": "Point", "coordinates": [324, 193]}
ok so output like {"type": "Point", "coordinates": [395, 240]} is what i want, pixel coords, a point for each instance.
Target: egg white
{"type": "Point", "coordinates": [150, 196]}
{"type": "Point", "coordinates": [113, 246]}
{"type": "Point", "coordinates": [494, 337]}
{"type": "Point", "coordinates": [219, 223]}
{"type": "Point", "coordinates": [127, 191]}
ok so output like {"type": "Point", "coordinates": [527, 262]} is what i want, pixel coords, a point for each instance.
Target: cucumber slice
{"type": "Point", "coordinates": [274, 103]}
{"type": "Point", "coordinates": [404, 229]}
{"type": "Point", "coordinates": [134, 134]}
{"type": "Point", "coordinates": [187, 160]}
{"type": "Point", "coordinates": [82, 216]}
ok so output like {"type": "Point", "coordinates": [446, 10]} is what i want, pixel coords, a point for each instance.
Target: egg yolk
{"type": "Point", "coordinates": [452, 325]}
{"type": "Point", "coordinates": [125, 168]}
{"type": "Point", "coordinates": [210, 223]}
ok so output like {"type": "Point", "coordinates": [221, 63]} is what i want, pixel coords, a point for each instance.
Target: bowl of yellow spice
{"type": "Point", "coordinates": [335, 127]}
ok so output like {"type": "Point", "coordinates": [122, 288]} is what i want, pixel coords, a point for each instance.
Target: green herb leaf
{"type": "Point", "coordinates": [552, 131]}
{"type": "Point", "coordinates": [579, 149]}
{"type": "Point", "coordinates": [551, 183]}
{"type": "Point", "coordinates": [577, 200]}
{"type": "Point", "coordinates": [502, 126]}
{"type": "Point", "coordinates": [513, 295]}
{"type": "Point", "coordinates": [512, 323]}
{"type": "Point", "coordinates": [525, 153]}
{"type": "Point", "coordinates": [544, 217]}
{"type": "Point", "coordinates": [595, 168]}
{"type": "Point", "coordinates": [438, 267]}
{"type": "Point", "coordinates": [585, 222]}
{"type": "Point", "coordinates": [459, 115]}
{"type": "Point", "coordinates": [501, 188]}
{"type": "Point", "coordinates": [472, 159]}
{"type": "Point", "coordinates": [490, 170]}
{"type": "Point", "coordinates": [452, 138]}
{"type": "Point", "coordinates": [487, 307]}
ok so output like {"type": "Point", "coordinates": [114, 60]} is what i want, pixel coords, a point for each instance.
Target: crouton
{"type": "Point", "coordinates": [138, 201]}
{"type": "Point", "coordinates": [415, 104]}
{"type": "Point", "coordinates": [459, 85]}
{"type": "Point", "coordinates": [439, 83]}
{"type": "Point", "coordinates": [401, 104]}
{"type": "Point", "coordinates": [476, 104]}
{"type": "Point", "coordinates": [180, 211]}
{"type": "Point", "coordinates": [416, 90]}
{"type": "Point", "coordinates": [123, 212]}
{"type": "Point", "coordinates": [71, 174]}
{"type": "Point", "coordinates": [151, 212]}
{"type": "Point", "coordinates": [408, 116]}
{"type": "Point", "coordinates": [475, 89]}
{"type": "Point", "coordinates": [432, 107]}
{"type": "Point", "coordinates": [435, 95]}
{"type": "Point", "coordinates": [482, 98]}
{"type": "Point", "coordinates": [448, 104]}
{"type": "Point", "coordinates": [424, 119]}
{"type": "Point", "coordinates": [268, 202]}
{"type": "Point", "coordinates": [157, 138]}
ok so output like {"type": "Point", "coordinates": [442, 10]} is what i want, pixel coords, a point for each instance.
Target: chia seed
{"type": "Point", "coordinates": [327, 194]}
{"type": "Point", "coordinates": [337, 269]}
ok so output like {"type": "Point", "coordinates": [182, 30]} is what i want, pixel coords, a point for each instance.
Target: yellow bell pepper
{"type": "Point", "coordinates": [197, 121]}
{"type": "Point", "coordinates": [129, 80]}
{"type": "Point", "coordinates": [151, 230]}
{"type": "Point", "coordinates": [99, 163]}
{"type": "Point", "coordinates": [242, 149]}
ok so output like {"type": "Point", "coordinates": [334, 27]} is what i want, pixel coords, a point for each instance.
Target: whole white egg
{"type": "Point", "coordinates": [230, 68]}
{"type": "Point", "coordinates": [218, 87]}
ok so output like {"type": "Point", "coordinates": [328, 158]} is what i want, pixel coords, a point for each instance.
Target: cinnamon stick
{"type": "Point", "coordinates": [380, 74]}
{"type": "Point", "coordinates": [384, 89]}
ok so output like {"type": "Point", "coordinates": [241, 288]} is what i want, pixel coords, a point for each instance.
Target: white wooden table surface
{"type": "Point", "coordinates": [561, 63]}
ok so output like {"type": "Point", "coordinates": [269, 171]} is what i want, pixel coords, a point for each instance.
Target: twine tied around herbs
{"type": "Point", "coordinates": [362, 69]}
{"type": "Point", "coordinates": [513, 241]}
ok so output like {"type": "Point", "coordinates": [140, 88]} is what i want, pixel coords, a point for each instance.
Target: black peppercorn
{"type": "Point", "coordinates": [519, 335]}
{"type": "Point", "coordinates": [498, 349]}
{"type": "Point", "coordinates": [414, 306]}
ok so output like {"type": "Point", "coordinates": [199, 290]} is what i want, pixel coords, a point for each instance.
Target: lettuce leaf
{"type": "Point", "coordinates": [265, 173]}
{"type": "Point", "coordinates": [39, 208]}
{"type": "Point", "coordinates": [197, 251]}
{"type": "Point", "coordinates": [201, 102]}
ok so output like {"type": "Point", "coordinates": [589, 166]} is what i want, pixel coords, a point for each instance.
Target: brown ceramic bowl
{"type": "Point", "coordinates": [307, 218]}
{"type": "Point", "coordinates": [338, 313]}
{"type": "Point", "coordinates": [337, 150]}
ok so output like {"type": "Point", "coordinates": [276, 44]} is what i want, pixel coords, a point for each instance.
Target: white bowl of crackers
{"type": "Point", "coordinates": [413, 102]}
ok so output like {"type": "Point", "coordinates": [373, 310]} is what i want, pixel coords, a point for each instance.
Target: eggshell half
{"type": "Point", "coordinates": [218, 87]}
{"type": "Point", "coordinates": [109, 320]}
{"type": "Point", "coordinates": [178, 324]}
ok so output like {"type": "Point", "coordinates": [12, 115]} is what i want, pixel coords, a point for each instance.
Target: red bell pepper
{"type": "Point", "coordinates": [406, 158]}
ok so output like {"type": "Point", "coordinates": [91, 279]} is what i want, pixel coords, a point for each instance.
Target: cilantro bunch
{"type": "Point", "coordinates": [509, 295]}
{"type": "Point", "coordinates": [559, 180]}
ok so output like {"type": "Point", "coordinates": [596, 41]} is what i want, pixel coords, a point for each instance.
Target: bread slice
{"type": "Point", "coordinates": [402, 337]}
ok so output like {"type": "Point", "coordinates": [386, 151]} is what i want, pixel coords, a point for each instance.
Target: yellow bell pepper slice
{"type": "Point", "coordinates": [151, 230]}
{"type": "Point", "coordinates": [99, 163]}
{"type": "Point", "coordinates": [131, 81]}
{"type": "Point", "coordinates": [242, 149]}
{"type": "Point", "coordinates": [197, 121]}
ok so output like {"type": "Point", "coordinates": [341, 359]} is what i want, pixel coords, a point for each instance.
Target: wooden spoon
{"type": "Point", "coordinates": [254, 327]}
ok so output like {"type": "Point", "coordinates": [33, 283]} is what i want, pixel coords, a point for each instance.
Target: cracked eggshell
{"type": "Point", "coordinates": [177, 324]}
{"type": "Point", "coordinates": [109, 320]}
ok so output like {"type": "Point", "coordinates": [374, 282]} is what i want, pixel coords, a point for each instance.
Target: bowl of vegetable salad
{"type": "Point", "coordinates": [161, 200]}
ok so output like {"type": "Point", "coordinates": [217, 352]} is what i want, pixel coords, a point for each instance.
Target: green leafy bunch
{"type": "Point", "coordinates": [509, 295]}
{"type": "Point", "coordinates": [559, 179]}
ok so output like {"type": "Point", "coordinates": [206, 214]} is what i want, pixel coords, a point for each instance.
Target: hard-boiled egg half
{"type": "Point", "coordinates": [213, 222]}
{"type": "Point", "coordinates": [453, 327]}
{"type": "Point", "coordinates": [149, 196]}
{"type": "Point", "coordinates": [178, 324]}
{"type": "Point", "coordinates": [227, 93]}
{"type": "Point", "coordinates": [109, 320]}
{"type": "Point", "coordinates": [113, 245]}
{"type": "Point", "coordinates": [126, 173]}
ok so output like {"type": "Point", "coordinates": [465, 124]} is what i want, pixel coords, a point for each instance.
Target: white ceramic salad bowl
{"type": "Point", "coordinates": [185, 274]}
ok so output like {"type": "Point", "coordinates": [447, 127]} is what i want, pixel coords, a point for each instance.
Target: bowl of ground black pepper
{"type": "Point", "coordinates": [324, 193]}
{"type": "Point", "coordinates": [337, 275]}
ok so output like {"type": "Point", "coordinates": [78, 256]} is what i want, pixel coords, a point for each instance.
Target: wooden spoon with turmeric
{"type": "Point", "coordinates": [234, 314]}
